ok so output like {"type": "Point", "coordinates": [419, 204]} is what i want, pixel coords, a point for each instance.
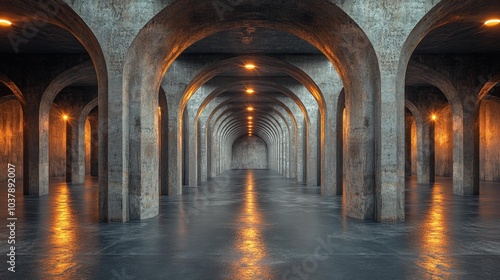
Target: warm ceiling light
{"type": "Point", "coordinates": [250, 118]}
{"type": "Point", "coordinates": [4, 22]}
{"type": "Point", "coordinates": [434, 117]}
{"type": "Point", "coordinates": [492, 22]}
{"type": "Point", "coordinates": [250, 66]}
{"type": "Point", "coordinates": [250, 91]}
{"type": "Point", "coordinates": [250, 109]}
{"type": "Point", "coordinates": [65, 117]}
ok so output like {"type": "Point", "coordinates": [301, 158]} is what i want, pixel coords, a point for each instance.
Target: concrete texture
{"type": "Point", "coordinates": [364, 60]}
{"type": "Point", "coordinates": [249, 153]}
{"type": "Point", "coordinates": [11, 127]}
{"type": "Point", "coordinates": [257, 225]}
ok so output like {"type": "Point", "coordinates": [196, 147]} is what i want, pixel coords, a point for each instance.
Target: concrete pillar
{"type": "Point", "coordinates": [35, 169]}
{"type": "Point", "coordinates": [408, 148]}
{"type": "Point", "coordinates": [94, 144]}
{"type": "Point", "coordinates": [466, 154]}
{"type": "Point", "coordinates": [192, 143]}
{"type": "Point", "coordinates": [312, 151]}
{"type": "Point", "coordinates": [174, 146]}
{"type": "Point", "coordinates": [163, 143]}
{"type": "Point", "coordinates": [425, 152]}
{"type": "Point", "coordinates": [75, 153]}
{"type": "Point", "coordinates": [332, 183]}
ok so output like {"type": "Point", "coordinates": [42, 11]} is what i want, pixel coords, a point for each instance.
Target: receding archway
{"type": "Point", "coordinates": [340, 39]}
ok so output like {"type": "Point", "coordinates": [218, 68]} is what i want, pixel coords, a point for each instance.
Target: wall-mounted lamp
{"type": "Point", "coordinates": [5, 23]}
{"type": "Point", "coordinates": [492, 22]}
{"type": "Point", "coordinates": [250, 66]}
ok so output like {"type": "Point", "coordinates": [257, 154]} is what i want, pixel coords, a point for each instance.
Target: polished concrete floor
{"type": "Point", "coordinates": [256, 225]}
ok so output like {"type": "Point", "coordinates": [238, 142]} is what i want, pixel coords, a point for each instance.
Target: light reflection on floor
{"type": "Point", "coordinates": [257, 225]}
{"type": "Point", "coordinates": [250, 241]}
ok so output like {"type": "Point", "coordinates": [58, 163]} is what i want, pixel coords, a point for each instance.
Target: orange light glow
{"type": "Point", "coordinates": [434, 117]}
{"type": "Point", "coordinates": [492, 22]}
{"type": "Point", "coordinates": [250, 91]}
{"type": "Point", "coordinates": [250, 109]}
{"type": "Point", "coordinates": [6, 23]}
{"type": "Point", "coordinates": [250, 239]}
{"type": "Point", "coordinates": [250, 66]}
{"type": "Point", "coordinates": [65, 117]}
{"type": "Point", "coordinates": [250, 118]}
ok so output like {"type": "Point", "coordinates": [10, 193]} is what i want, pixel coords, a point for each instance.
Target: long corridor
{"type": "Point", "coordinates": [253, 224]}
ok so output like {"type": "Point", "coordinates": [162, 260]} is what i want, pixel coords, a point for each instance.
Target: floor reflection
{"type": "Point", "coordinates": [434, 236]}
{"type": "Point", "coordinates": [62, 245]}
{"type": "Point", "coordinates": [250, 242]}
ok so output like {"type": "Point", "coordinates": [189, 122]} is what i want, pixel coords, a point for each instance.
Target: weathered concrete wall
{"type": "Point", "coordinates": [414, 148]}
{"type": "Point", "coordinates": [57, 143]}
{"type": "Point", "coordinates": [11, 138]}
{"type": "Point", "coordinates": [249, 153]}
{"type": "Point", "coordinates": [489, 146]}
{"type": "Point", "coordinates": [444, 143]}
{"type": "Point", "coordinates": [88, 137]}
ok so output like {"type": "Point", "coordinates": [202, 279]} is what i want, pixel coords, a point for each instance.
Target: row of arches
{"type": "Point", "coordinates": [149, 142]}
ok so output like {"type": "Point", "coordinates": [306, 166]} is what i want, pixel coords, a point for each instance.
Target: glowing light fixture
{"type": "Point", "coordinates": [250, 66]}
{"type": "Point", "coordinates": [492, 22]}
{"type": "Point", "coordinates": [6, 23]}
{"type": "Point", "coordinates": [250, 91]}
{"type": "Point", "coordinates": [434, 117]}
{"type": "Point", "coordinates": [250, 118]}
{"type": "Point", "coordinates": [65, 117]}
{"type": "Point", "coordinates": [250, 109]}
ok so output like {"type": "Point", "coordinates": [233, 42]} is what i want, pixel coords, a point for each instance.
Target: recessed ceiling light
{"type": "Point", "coordinates": [250, 109]}
{"type": "Point", "coordinates": [492, 22]}
{"type": "Point", "coordinates": [4, 22]}
{"type": "Point", "coordinates": [250, 66]}
{"type": "Point", "coordinates": [250, 91]}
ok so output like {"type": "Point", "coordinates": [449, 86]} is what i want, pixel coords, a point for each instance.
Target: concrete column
{"type": "Point", "coordinates": [113, 154]}
{"type": "Point", "coordinates": [174, 147]}
{"type": "Point", "coordinates": [94, 144]}
{"type": "Point", "coordinates": [332, 178]}
{"type": "Point", "coordinates": [75, 153]}
{"type": "Point", "coordinates": [408, 148]}
{"type": "Point", "coordinates": [312, 151]}
{"type": "Point", "coordinates": [425, 152]}
{"type": "Point", "coordinates": [163, 143]}
{"type": "Point", "coordinates": [192, 143]}
{"type": "Point", "coordinates": [35, 170]}
{"type": "Point", "coordinates": [466, 154]}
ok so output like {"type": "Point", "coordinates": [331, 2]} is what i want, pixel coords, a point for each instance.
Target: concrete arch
{"type": "Point", "coordinates": [465, 143]}
{"type": "Point", "coordinates": [13, 87]}
{"type": "Point", "coordinates": [58, 13]}
{"type": "Point", "coordinates": [77, 161]}
{"type": "Point", "coordinates": [269, 126]}
{"type": "Point", "coordinates": [487, 87]}
{"type": "Point", "coordinates": [79, 73]}
{"type": "Point", "coordinates": [340, 39]}
{"type": "Point", "coordinates": [278, 103]}
{"type": "Point", "coordinates": [424, 73]}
